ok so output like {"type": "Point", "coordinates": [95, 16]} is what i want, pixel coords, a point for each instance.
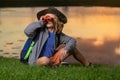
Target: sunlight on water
{"type": "Point", "coordinates": [117, 50]}
{"type": "Point", "coordinates": [82, 21]}
{"type": "Point", "coordinates": [85, 22]}
{"type": "Point", "coordinates": [102, 24]}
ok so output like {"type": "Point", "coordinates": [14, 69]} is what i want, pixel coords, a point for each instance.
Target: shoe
{"type": "Point", "coordinates": [91, 64]}
{"type": "Point", "coordinates": [64, 63]}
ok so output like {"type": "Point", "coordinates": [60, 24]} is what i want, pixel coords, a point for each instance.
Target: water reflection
{"type": "Point", "coordinates": [93, 25]}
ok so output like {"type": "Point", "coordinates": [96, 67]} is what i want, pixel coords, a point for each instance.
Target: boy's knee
{"type": "Point", "coordinates": [43, 61]}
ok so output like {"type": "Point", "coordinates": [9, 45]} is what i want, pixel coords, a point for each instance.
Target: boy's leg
{"type": "Point", "coordinates": [43, 61]}
{"type": "Point", "coordinates": [78, 56]}
{"type": "Point", "coordinates": [58, 57]}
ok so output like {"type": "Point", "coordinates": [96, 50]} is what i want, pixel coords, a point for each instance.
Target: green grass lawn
{"type": "Point", "coordinates": [12, 69]}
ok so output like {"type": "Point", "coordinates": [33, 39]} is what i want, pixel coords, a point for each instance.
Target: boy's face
{"type": "Point", "coordinates": [51, 23]}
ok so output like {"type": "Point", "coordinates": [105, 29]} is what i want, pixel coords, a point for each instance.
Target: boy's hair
{"type": "Point", "coordinates": [59, 26]}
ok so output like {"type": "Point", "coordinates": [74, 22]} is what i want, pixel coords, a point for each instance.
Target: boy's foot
{"type": "Point", "coordinates": [91, 64]}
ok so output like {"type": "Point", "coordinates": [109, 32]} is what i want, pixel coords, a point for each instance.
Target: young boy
{"type": "Point", "coordinates": [52, 46]}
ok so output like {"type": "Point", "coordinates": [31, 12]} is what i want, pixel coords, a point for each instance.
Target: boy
{"type": "Point", "coordinates": [52, 46]}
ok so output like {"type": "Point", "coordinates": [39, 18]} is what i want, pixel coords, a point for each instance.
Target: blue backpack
{"type": "Point", "coordinates": [24, 55]}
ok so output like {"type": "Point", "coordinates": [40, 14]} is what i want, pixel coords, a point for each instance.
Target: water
{"type": "Point", "coordinates": [82, 21]}
{"type": "Point", "coordinates": [94, 25]}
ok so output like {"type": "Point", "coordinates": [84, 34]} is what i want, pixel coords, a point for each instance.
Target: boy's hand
{"type": "Point", "coordinates": [59, 56]}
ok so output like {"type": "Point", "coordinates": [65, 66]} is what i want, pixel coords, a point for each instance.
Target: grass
{"type": "Point", "coordinates": [12, 69]}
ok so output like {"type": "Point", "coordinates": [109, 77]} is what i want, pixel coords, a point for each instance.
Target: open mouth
{"type": "Point", "coordinates": [49, 22]}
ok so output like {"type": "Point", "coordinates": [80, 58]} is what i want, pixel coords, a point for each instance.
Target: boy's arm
{"type": "Point", "coordinates": [69, 42]}
{"type": "Point", "coordinates": [30, 30]}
